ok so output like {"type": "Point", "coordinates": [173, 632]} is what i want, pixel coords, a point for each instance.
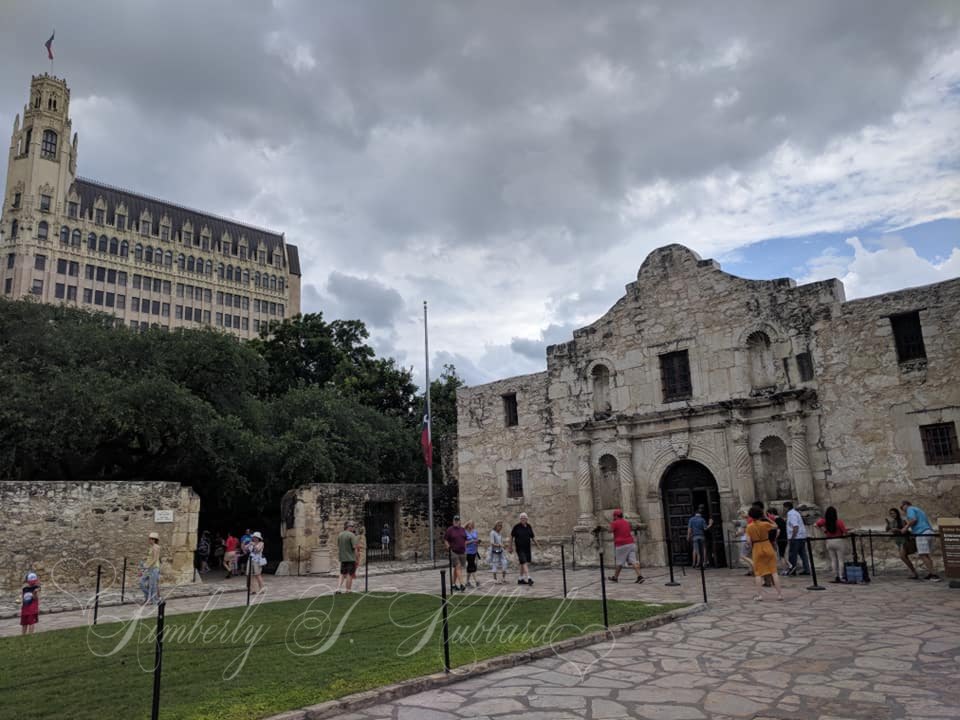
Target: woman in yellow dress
{"type": "Point", "coordinates": [764, 554]}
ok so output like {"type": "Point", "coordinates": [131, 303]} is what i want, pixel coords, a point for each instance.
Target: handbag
{"type": "Point", "coordinates": [262, 560]}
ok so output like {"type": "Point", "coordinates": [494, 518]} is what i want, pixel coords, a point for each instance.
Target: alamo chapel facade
{"type": "Point", "coordinates": [699, 387]}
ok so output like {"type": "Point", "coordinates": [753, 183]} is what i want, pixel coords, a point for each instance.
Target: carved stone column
{"type": "Point", "coordinates": [584, 486]}
{"type": "Point", "coordinates": [742, 463]}
{"type": "Point", "coordinates": [628, 496]}
{"type": "Point", "coordinates": [800, 461]}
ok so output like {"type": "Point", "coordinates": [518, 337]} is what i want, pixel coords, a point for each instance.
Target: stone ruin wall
{"type": "Point", "coordinates": [872, 406]}
{"type": "Point", "coordinates": [62, 530]}
{"type": "Point", "coordinates": [313, 516]}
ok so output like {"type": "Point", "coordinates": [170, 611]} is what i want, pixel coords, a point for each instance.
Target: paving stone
{"type": "Point", "coordinates": [491, 706]}
{"type": "Point", "coordinates": [601, 709]}
{"type": "Point", "coordinates": [729, 704]}
{"type": "Point", "coordinates": [667, 712]}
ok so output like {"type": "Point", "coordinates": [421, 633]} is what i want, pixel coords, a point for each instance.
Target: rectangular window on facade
{"type": "Point", "coordinates": [256, 305]}
{"type": "Point", "coordinates": [101, 274]}
{"type": "Point", "coordinates": [165, 310]}
{"type": "Point", "coordinates": [206, 316]}
{"type": "Point", "coordinates": [514, 483]}
{"type": "Point", "coordinates": [61, 267]}
{"type": "Point", "coordinates": [45, 201]}
{"type": "Point", "coordinates": [219, 298]}
{"type": "Point", "coordinates": [155, 307]}
{"type": "Point", "coordinates": [236, 321]}
{"type": "Point", "coordinates": [189, 290]}
{"type": "Point", "coordinates": [510, 417]}
{"type": "Point", "coordinates": [675, 376]}
{"type": "Point", "coordinates": [228, 300]}
{"type": "Point", "coordinates": [246, 303]}
{"type": "Point", "coordinates": [122, 278]}
{"type": "Point", "coordinates": [72, 209]}
{"type": "Point", "coordinates": [40, 262]}
{"type": "Point", "coordinates": [136, 282]}
{"type": "Point", "coordinates": [219, 320]}
{"type": "Point", "coordinates": [11, 258]}
{"type": "Point", "coordinates": [273, 308]}
{"type": "Point", "coordinates": [108, 299]}
{"type": "Point", "coordinates": [228, 320]}
{"type": "Point", "coordinates": [908, 336]}
{"type": "Point", "coordinates": [207, 294]}
{"type": "Point", "coordinates": [135, 304]}
{"type": "Point", "coordinates": [805, 366]}
{"type": "Point", "coordinates": [164, 232]}
{"type": "Point", "coordinates": [188, 313]}
{"type": "Point", "coordinates": [178, 312]}
{"type": "Point", "coordinates": [60, 291]}
{"type": "Point", "coordinates": [245, 323]}
{"type": "Point", "coordinates": [112, 276]}
{"type": "Point", "coordinates": [74, 269]}
{"type": "Point", "coordinates": [72, 293]}
{"type": "Point", "coordinates": [940, 443]}
{"type": "Point", "coordinates": [98, 216]}
{"type": "Point", "coordinates": [166, 287]}
{"type": "Point", "coordinates": [280, 309]}
{"type": "Point", "coordinates": [187, 237]}
{"type": "Point", "coordinates": [256, 326]}
{"type": "Point", "coordinates": [179, 290]}
{"type": "Point", "coordinates": [37, 288]}
{"type": "Point", "coordinates": [157, 284]}
{"type": "Point", "coordinates": [16, 199]}
{"type": "Point", "coordinates": [121, 222]}
{"type": "Point", "coordinates": [98, 297]}
{"type": "Point", "coordinates": [8, 286]}
{"type": "Point", "coordinates": [88, 295]}
{"type": "Point", "coordinates": [121, 302]}
{"type": "Point", "coordinates": [145, 227]}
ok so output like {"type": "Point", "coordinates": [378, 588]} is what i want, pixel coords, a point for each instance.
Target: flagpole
{"type": "Point", "coordinates": [426, 364]}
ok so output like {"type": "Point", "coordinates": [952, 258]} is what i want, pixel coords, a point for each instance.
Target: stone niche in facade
{"type": "Point", "coordinates": [63, 530]}
{"type": "Point", "coordinates": [313, 515]}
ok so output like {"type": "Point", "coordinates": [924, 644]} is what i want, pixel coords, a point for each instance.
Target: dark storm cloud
{"type": "Point", "coordinates": [369, 300]}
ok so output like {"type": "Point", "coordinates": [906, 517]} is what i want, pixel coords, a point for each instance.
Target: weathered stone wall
{"type": "Point", "coordinates": [313, 516]}
{"type": "Point", "coordinates": [873, 406]}
{"type": "Point", "coordinates": [62, 530]}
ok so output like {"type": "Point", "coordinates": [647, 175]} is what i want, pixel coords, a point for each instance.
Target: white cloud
{"type": "Point", "coordinates": [891, 266]}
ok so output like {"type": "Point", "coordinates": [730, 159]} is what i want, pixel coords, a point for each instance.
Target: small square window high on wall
{"type": "Point", "coordinates": [940, 443]}
{"type": "Point", "coordinates": [514, 483]}
{"type": "Point", "coordinates": [510, 416]}
{"type": "Point", "coordinates": [908, 336]}
{"type": "Point", "coordinates": [675, 376]}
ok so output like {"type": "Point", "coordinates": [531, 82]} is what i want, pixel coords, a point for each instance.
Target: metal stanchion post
{"type": "Point", "coordinates": [853, 542]}
{"type": "Point", "coordinates": [813, 568]}
{"type": "Point", "coordinates": [96, 601]}
{"type": "Point", "coordinates": [158, 662]}
{"type": "Point", "coordinates": [123, 580]}
{"type": "Point", "coordinates": [248, 580]}
{"type": "Point", "coordinates": [446, 628]}
{"type": "Point", "coordinates": [603, 592]}
{"type": "Point", "coordinates": [703, 581]}
{"type": "Point", "coordinates": [672, 583]}
{"type": "Point", "coordinates": [563, 567]}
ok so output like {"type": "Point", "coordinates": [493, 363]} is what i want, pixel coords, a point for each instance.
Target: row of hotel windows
{"type": "Point", "coordinates": [145, 227]}
{"type": "Point", "coordinates": [940, 447]}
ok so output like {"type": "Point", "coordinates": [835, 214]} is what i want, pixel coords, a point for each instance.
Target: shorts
{"type": "Point", "coordinates": [523, 556]}
{"type": "Point", "coordinates": [924, 543]}
{"type": "Point", "coordinates": [498, 561]}
{"type": "Point", "coordinates": [349, 568]}
{"type": "Point", "coordinates": [458, 559]}
{"type": "Point", "coordinates": [471, 562]}
{"type": "Point", "coordinates": [625, 555]}
{"type": "Point", "coordinates": [256, 568]}
{"type": "Point", "coordinates": [698, 543]}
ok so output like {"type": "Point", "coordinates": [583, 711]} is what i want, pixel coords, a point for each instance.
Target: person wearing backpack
{"type": "Point", "coordinates": [30, 604]}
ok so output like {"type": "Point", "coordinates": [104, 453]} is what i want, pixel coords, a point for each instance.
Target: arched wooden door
{"type": "Point", "coordinates": [686, 485]}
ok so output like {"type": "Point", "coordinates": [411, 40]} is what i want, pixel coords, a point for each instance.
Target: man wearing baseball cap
{"type": "Point", "coordinates": [624, 548]}
{"type": "Point", "coordinates": [521, 537]}
{"type": "Point", "coordinates": [456, 542]}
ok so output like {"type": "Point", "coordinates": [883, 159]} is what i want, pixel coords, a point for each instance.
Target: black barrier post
{"type": "Point", "coordinates": [248, 579]}
{"type": "Point", "coordinates": [450, 568]}
{"type": "Point", "coordinates": [563, 567]}
{"type": "Point", "coordinates": [96, 601]}
{"type": "Point", "coordinates": [158, 662]}
{"type": "Point", "coordinates": [603, 592]}
{"type": "Point", "coordinates": [446, 628]}
{"type": "Point", "coordinates": [123, 581]}
{"type": "Point", "coordinates": [808, 548]}
{"type": "Point", "coordinates": [703, 581]}
{"type": "Point", "coordinates": [873, 566]}
{"type": "Point", "coordinates": [853, 541]}
{"type": "Point", "coordinates": [672, 583]}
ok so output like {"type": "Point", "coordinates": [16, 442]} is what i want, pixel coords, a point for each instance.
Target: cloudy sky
{"type": "Point", "coordinates": [514, 162]}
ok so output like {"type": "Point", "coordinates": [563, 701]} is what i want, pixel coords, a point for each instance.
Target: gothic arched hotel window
{"type": "Point", "coordinates": [220, 271]}
{"type": "Point", "coordinates": [191, 263]}
{"type": "Point", "coordinates": [182, 261]}
{"type": "Point", "coordinates": [114, 246]}
{"type": "Point", "coordinates": [148, 254]}
{"type": "Point", "coordinates": [42, 230]}
{"type": "Point", "coordinates": [64, 235]}
{"type": "Point", "coordinates": [92, 241]}
{"type": "Point", "coordinates": [48, 146]}
{"type": "Point", "coordinates": [103, 244]}
{"type": "Point", "coordinates": [138, 252]}
{"type": "Point", "coordinates": [124, 248]}
{"type": "Point", "coordinates": [208, 268]}
{"type": "Point", "coordinates": [76, 237]}
{"type": "Point", "coordinates": [168, 258]}
{"type": "Point", "coordinates": [229, 272]}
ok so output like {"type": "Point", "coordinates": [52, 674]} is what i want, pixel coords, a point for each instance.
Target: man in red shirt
{"type": "Point", "coordinates": [230, 554]}
{"type": "Point", "coordinates": [623, 546]}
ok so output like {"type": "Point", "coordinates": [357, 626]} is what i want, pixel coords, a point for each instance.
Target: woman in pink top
{"type": "Point", "coordinates": [834, 530]}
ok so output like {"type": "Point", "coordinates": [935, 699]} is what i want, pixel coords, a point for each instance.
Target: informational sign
{"type": "Point", "coordinates": [163, 516]}
{"type": "Point", "coordinates": [950, 540]}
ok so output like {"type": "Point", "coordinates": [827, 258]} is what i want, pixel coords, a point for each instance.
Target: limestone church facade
{"type": "Point", "coordinates": [699, 387]}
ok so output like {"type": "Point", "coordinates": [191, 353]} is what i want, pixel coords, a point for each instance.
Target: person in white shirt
{"type": "Point", "coordinates": [797, 534]}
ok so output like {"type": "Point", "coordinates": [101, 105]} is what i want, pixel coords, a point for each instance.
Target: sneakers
{"type": "Point", "coordinates": [792, 570]}
{"type": "Point", "coordinates": [613, 579]}
{"type": "Point", "coordinates": [932, 578]}
{"type": "Point", "coordinates": [521, 581]}
{"type": "Point", "coordinates": [640, 579]}
{"type": "Point", "coordinates": [463, 588]}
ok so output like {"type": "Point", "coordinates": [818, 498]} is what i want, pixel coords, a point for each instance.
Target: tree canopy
{"type": "Point", "coordinates": [241, 422]}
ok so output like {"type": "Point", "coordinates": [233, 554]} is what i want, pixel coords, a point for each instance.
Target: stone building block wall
{"type": "Point", "coordinates": [62, 530]}
{"type": "Point", "coordinates": [313, 516]}
{"type": "Point", "coordinates": [873, 407]}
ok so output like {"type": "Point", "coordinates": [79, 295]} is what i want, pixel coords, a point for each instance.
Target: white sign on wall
{"type": "Point", "coordinates": [163, 516]}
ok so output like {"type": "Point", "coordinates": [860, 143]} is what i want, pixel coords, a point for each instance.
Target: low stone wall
{"type": "Point", "coordinates": [313, 516]}
{"type": "Point", "coordinates": [63, 530]}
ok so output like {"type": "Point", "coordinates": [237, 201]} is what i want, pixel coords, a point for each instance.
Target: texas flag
{"type": "Point", "coordinates": [49, 45]}
{"type": "Point", "coordinates": [425, 442]}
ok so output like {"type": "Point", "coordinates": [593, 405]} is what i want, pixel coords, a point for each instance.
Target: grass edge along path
{"type": "Point", "coordinates": [250, 663]}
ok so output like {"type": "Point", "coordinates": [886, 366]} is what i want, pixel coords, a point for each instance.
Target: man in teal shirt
{"type": "Point", "coordinates": [917, 523]}
{"type": "Point", "coordinates": [347, 550]}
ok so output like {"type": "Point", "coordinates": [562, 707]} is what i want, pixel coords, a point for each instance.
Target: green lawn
{"type": "Point", "coordinates": [284, 655]}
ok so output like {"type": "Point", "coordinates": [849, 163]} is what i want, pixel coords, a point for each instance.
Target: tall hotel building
{"type": "Point", "coordinates": [149, 263]}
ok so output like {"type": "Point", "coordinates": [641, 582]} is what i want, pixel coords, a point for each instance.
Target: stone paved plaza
{"type": "Point", "coordinates": [886, 650]}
